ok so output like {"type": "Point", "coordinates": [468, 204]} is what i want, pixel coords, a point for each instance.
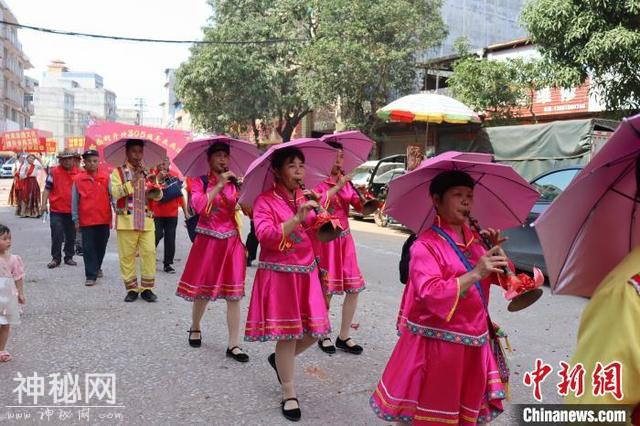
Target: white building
{"type": "Point", "coordinates": [65, 102]}
{"type": "Point", "coordinates": [129, 116]}
{"type": "Point", "coordinates": [13, 115]}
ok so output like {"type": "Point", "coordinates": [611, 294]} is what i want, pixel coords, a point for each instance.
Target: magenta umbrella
{"type": "Point", "coordinates": [355, 146]}
{"type": "Point", "coordinates": [594, 223]}
{"type": "Point", "coordinates": [502, 198]}
{"type": "Point", "coordinates": [115, 153]}
{"type": "Point", "coordinates": [192, 160]}
{"type": "Point", "coordinates": [319, 159]}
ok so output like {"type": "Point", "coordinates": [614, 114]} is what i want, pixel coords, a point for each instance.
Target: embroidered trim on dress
{"type": "Point", "coordinates": [345, 233]}
{"type": "Point", "coordinates": [296, 336]}
{"type": "Point", "coordinates": [447, 336]}
{"type": "Point", "coordinates": [216, 234]}
{"type": "Point", "coordinates": [278, 267]}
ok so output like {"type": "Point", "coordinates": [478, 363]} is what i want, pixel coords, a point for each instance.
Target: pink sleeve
{"type": "Point", "coordinates": [268, 227]}
{"type": "Point", "coordinates": [439, 295]}
{"type": "Point", "coordinates": [354, 199]}
{"type": "Point", "coordinates": [17, 267]}
{"type": "Point", "coordinates": [199, 198]}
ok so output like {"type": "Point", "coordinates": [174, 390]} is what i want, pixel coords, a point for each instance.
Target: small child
{"type": "Point", "coordinates": [11, 290]}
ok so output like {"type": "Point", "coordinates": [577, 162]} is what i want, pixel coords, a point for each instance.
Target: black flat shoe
{"type": "Point", "coordinates": [354, 349]}
{"type": "Point", "coordinates": [330, 349]}
{"type": "Point", "coordinates": [272, 363]}
{"type": "Point", "coordinates": [240, 356]}
{"type": "Point", "coordinates": [149, 296]}
{"type": "Point", "coordinates": [195, 343]}
{"type": "Point", "coordinates": [293, 414]}
{"type": "Point", "coordinates": [131, 296]}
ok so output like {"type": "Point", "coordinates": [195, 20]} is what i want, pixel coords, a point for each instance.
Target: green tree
{"type": "Point", "coordinates": [595, 37]}
{"type": "Point", "coordinates": [339, 53]}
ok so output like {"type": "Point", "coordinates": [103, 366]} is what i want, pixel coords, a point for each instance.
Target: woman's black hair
{"type": "Point", "coordinates": [4, 230]}
{"type": "Point", "coordinates": [336, 145]}
{"type": "Point", "coordinates": [216, 147]}
{"type": "Point", "coordinates": [445, 180]}
{"type": "Point", "coordinates": [284, 156]}
{"type": "Point", "coordinates": [133, 142]}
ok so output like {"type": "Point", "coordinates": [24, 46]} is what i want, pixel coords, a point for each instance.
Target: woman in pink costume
{"type": "Point", "coordinates": [216, 265]}
{"type": "Point", "coordinates": [287, 304]}
{"type": "Point", "coordinates": [338, 261]}
{"type": "Point", "coordinates": [443, 370]}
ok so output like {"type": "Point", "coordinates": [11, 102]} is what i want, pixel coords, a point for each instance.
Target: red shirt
{"type": "Point", "coordinates": [59, 185]}
{"type": "Point", "coordinates": [94, 201]}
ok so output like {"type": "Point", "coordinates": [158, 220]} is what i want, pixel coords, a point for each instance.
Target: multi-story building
{"type": "Point", "coordinates": [65, 102]}
{"type": "Point", "coordinates": [170, 101]}
{"type": "Point", "coordinates": [13, 115]}
{"type": "Point", "coordinates": [129, 116]}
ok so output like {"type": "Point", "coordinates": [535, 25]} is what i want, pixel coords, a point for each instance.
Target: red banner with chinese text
{"type": "Point", "coordinates": [29, 140]}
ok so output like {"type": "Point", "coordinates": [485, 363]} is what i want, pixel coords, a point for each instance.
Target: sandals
{"type": "Point", "coordinates": [240, 356]}
{"type": "Point", "coordinates": [353, 349]}
{"type": "Point", "coordinates": [195, 343]}
{"type": "Point", "coordinates": [329, 349]}
{"type": "Point", "coordinates": [5, 356]}
{"type": "Point", "coordinates": [293, 414]}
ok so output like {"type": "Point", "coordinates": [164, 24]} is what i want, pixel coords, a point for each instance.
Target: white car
{"type": "Point", "coordinates": [6, 171]}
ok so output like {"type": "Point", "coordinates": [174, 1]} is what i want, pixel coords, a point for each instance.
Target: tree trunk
{"type": "Point", "coordinates": [256, 131]}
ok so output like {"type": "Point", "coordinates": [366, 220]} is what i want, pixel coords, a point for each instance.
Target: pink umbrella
{"type": "Point", "coordinates": [502, 198]}
{"type": "Point", "coordinates": [319, 159]}
{"type": "Point", "coordinates": [115, 154]}
{"type": "Point", "coordinates": [594, 223]}
{"type": "Point", "coordinates": [355, 146]}
{"type": "Point", "coordinates": [192, 160]}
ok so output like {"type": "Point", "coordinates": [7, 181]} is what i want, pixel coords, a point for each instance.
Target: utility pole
{"type": "Point", "coordinates": [140, 104]}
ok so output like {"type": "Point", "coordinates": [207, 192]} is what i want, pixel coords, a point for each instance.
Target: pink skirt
{"type": "Point", "coordinates": [215, 269]}
{"type": "Point", "coordinates": [339, 266]}
{"type": "Point", "coordinates": [285, 306]}
{"type": "Point", "coordinates": [429, 381]}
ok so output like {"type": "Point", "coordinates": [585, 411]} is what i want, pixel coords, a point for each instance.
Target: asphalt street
{"type": "Point", "coordinates": [69, 328]}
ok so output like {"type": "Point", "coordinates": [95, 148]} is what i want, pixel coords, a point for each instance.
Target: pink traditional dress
{"type": "Point", "coordinates": [11, 270]}
{"type": "Point", "coordinates": [442, 369]}
{"type": "Point", "coordinates": [216, 264]}
{"type": "Point", "coordinates": [287, 299]}
{"type": "Point", "coordinates": [338, 261]}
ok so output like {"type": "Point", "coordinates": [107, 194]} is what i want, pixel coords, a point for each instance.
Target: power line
{"type": "Point", "coordinates": [151, 40]}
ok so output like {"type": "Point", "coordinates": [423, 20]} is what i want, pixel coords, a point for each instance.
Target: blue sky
{"type": "Point", "coordinates": [130, 69]}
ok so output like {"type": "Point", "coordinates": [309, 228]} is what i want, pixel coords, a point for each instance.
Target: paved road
{"type": "Point", "coordinates": [68, 328]}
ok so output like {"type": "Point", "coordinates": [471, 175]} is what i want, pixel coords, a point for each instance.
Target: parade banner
{"type": "Point", "coordinates": [77, 143]}
{"type": "Point", "coordinates": [102, 133]}
{"type": "Point", "coordinates": [31, 140]}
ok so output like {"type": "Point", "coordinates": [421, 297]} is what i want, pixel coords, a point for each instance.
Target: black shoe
{"type": "Point", "coordinates": [342, 344]}
{"type": "Point", "coordinates": [272, 363]}
{"type": "Point", "coordinates": [330, 349]}
{"type": "Point", "coordinates": [169, 269]}
{"type": "Point", "coordinates": [148, 295]}
{"type": "Point", "coordinates": [131, 296]}
{"type": "Point", "coordinates": [53, 264]}
{"type": "Point", "coordinates": [293, 414]}
{"type": "Point", "coordinates": [240, 357]}
{"type": "Point", "coordinates": [70, 262]}
{"type": "Point", "coordinates": [100, 274]}
{"type": "Point", "coordinates": [195, 343]}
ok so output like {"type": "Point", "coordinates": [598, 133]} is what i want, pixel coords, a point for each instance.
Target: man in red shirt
{"type": "Point", "coordinates": [58, 192]}
{"type": "Point", "coordinates": [165, 212]}
{"type": "Point", "coordinates": [91, 213]}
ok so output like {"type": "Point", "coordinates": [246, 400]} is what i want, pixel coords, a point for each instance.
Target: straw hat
{"type": "Point", "coordinates": [68, 153]}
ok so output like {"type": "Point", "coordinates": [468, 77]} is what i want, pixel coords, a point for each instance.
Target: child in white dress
{"type": "Point", "coordinates": [11, 290]}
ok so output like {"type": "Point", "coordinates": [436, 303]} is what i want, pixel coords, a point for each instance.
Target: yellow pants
{"type": "Point", "coordinates": [141, 242]}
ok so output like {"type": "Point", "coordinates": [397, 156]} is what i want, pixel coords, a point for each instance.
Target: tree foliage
{"type": "Point", "coordinates": [350, 54]}
{"type": "Point", "coordinates": [591, 37]}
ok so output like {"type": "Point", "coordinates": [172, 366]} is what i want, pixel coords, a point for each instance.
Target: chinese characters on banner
{"type": "Point", "coordinates": [75, 143]}
{"type": "Point", "coordinates": [32, 140]}
{"type": "Point", "coordinates": [102, 133]}
{"type": "Point", "coordinates": [605, 379]}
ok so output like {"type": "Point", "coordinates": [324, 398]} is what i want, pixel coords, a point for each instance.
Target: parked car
{"type": "Point", "coordinates": [6, 171]}
{"type": "Point", "coordinates": [523, 246]}
{"type": "Point", "coordinates": [360, 176]}
{"type": "Point", "coordinates": [378, 178]}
